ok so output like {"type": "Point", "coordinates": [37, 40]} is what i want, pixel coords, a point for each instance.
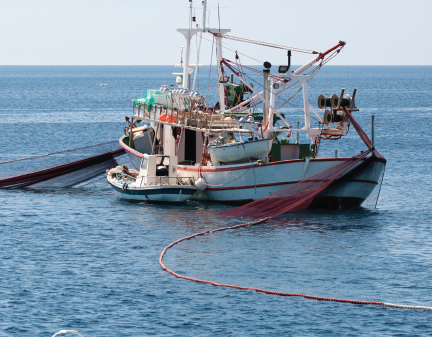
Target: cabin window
{"type": "Point", "coordinates": [162, 166]}
{"type": "Point", "coordinates": [162, 161]}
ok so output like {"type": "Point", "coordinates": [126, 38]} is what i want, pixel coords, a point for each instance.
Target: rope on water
{"type": "Point", "coordinates": [291, 199]}
{"type": "Point", "coordinates": [389, 305]}
{"type": "Point", "coordinates": [58, 152]}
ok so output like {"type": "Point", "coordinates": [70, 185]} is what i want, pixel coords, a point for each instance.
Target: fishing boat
{"type": "Point", "coordinates": [235, 152]}
{"type": "Point", "coordinates": [155, 182]}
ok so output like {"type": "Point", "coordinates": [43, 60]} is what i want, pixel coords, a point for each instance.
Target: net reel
{"type": "Point", "coordinates": [332, 102]}
{"type": "Point", "coordinates": [336, 114]}
{"type": "Point", "coordinates": [328, 117]}
{"type": "Point", "coordinates": [348, 102]}
{"type": "Point", "coordinates": [340, 117]}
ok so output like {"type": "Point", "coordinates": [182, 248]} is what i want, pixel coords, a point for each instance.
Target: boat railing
{"type": "Point", "coordinates": [165, 180]}
{"type": "Point", "coordinates": [198, 120]}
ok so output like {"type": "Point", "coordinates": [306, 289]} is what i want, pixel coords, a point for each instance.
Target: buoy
{"type": "Point", "coordinates": [170, 119]}
{"type": "Point", "coordinates": [200, 184]}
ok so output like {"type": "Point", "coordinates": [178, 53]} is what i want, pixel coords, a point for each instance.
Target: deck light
{"type": "Point", "coordinates": [284, 69]}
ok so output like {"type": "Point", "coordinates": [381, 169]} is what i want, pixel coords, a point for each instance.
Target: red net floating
{"type": "Point", "coordinates": [300, 195]}
{"type": "Point", "coordinates": [295, 197]}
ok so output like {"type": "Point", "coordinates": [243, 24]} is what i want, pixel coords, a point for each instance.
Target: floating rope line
{"type": "Point", "coordinates": [58, 152]}
{"type": "Point", "coordinates": [44, 167]}
{"type": "Point", "coordinates": [318, 298]}
{"type": "Point", "coordinates": [293, 198]}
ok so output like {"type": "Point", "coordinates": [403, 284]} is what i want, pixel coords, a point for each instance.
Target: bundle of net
{"type": "Point", "coordinates": [295, 197]}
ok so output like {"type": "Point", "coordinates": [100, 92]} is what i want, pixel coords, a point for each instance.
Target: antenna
{"type": "Point", "coordinates": [218, 16]}
{"type": "Point", "coordinates": [181, 56]}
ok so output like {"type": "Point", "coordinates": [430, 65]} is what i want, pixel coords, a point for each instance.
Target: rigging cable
{"type": "Point", "coordinates": [267, 44]}
{"type": "Point", "coordinates": [228, 47]}
{"type": "Point", "coordinates": [380, 188]}
{"type": "Point", "coordinates": [278, 94]}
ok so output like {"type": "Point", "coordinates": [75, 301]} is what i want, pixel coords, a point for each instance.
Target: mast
{"type": "Point", "coordinates": [188, 37]}
{"type": "Point", "coordinates": [218, 34]}
{"type": "Point", "coordinates": [266, 92]}
{"type": "Point", "coordinates": [204, 14]}
{"type": "Point", "coordinates": [199, 47]}
{"type": "Point", "coordinates": [272, 102]}
{"type": "Point", "coordinates": [221, 82]}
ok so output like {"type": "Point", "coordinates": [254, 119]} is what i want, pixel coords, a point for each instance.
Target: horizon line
{"type": "Point", "coordinates": [191, 65]}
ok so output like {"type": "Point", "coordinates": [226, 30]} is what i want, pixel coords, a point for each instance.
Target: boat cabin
{"type": "Point", "coordinates": [157, 170]}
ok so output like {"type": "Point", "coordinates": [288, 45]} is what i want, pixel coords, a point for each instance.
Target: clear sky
{"type": "Point", "coordinates": [142, 32]}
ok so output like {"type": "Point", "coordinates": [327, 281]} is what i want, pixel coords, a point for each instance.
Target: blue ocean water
{"type": "Point", "coordinates": [81, 259]}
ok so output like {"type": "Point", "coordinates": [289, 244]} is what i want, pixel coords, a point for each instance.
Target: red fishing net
{"type": "Point", "coordinates": [60, 169]}
{"type": "Point", "coordinates": [300, 195]}
{"type": "Point", "coordinates": [295, 197]}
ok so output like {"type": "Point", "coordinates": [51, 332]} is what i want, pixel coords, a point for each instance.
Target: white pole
{"type": "Point", "coordinates": [186, 64]}
{"type": "Point", "coordinates": [306, 105]}
{"type": "Point", "coordinates": [263, 100]}
{"type": "Point", "coordinates": [188, 39]}
{"type": "Point", "coordinates": [272, 103]}
{"type": "Point", "coordinates": [197, 62]}
{"type": "Point", "coordinates": [199, 48]}
{"type": "Point", "coordinates": [220, 85]}
{"type": "Point", "coordinates": [266, 110]}
{"type": "Point", "coordinates": [204, 14]}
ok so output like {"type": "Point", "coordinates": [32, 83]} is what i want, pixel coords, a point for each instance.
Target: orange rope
{"type": "Point", "coordinates": [248, 288]}
{"type": "Point", "coordinates": [277, 293]}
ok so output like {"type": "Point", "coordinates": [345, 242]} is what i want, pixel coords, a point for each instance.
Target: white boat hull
{"type": "Point", "coordinates": [156, 193]}
{"type": "Point", "coordinates": [246, 182]}
{"type": "Point", "coordinates": [243, 183]}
